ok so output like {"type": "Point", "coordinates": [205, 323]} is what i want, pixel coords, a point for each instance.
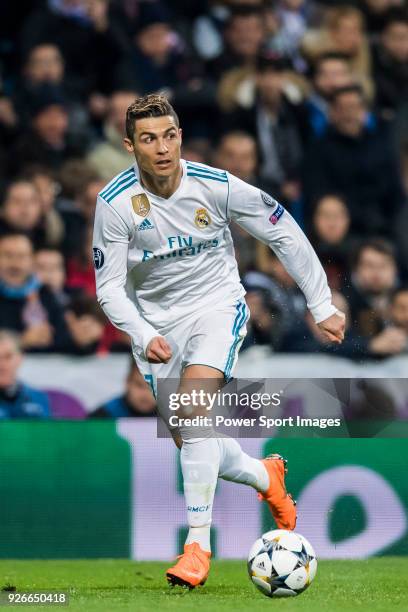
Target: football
{"type": "Point", "coordinates": [282, 563]}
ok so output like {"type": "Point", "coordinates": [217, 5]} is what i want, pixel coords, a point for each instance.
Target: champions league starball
{"type": "Point", "coordinates": [282, 563]}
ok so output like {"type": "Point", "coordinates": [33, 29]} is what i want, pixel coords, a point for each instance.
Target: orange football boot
{"type": "Point", "coordinates": [280, 503]}
{"type": "Point", "coordinates": [191, 568]}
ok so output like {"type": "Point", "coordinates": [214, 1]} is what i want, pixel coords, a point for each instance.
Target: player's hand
{"type": "Point", "coordinates": [158, 350]}
{"type": "Point", "coordinates": [333, 327]}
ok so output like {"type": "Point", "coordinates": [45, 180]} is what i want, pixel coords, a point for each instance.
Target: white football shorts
{"type": "Point", "coordinates": [212, 338]}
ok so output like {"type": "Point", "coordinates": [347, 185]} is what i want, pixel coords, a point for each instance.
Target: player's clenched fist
{"type": "Point", "coordinates": [333, 327]}
{"type": "Point", "coordinates": [158, 350]}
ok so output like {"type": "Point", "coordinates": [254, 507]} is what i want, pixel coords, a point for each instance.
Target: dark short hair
{"type": "Point", "coordinates": [16, 234]}
{"type": "Point", "coordinates": [328, 56]}
{"type": "Point", "coordinates": [398, 290]}
{"type": "Point", "coordinates": [275, 62]}
{"type": "Point", "coordinates": [18, 180]}
{"type": "Point", "coordinates": [152, 105]}
{"type": "Point", "coordinates": [86, 305]}
{"type": "Point", "coordinates": [336, 195]}
{"type": "Point", "coordinates": [352, 88]}
{"type": "Point", "coordinates": [235, 134]}
{"type": "Point", "coordinates": [374, 244]}
{"type": "Point", "coordinates": [31, 171]}
{"type": "Point", "coordinates": [243, 10]}
{"type": "Point", "coordinates": [395, 15]}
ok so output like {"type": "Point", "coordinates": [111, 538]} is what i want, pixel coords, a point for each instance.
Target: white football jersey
{"type": "Point", "coordinates": [157, 259]}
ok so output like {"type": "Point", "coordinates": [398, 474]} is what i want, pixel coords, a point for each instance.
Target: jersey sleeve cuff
{"type": "Point", "coordinates": [147, 336]}
{"type": "Point", "coordinates": [323, 311]}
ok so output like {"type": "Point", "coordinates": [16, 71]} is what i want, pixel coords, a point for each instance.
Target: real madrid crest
{"type": "Point", "coordinates": [202, 218]}
{"type": "Point", "coordinates": [141, 204]}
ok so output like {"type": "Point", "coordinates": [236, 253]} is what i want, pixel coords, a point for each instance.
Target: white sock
{"type": "Point", "coordinates": [200, 535]}
{"type": "Point", "coordinates": [237, 466]}
{"type": "Point", "coordinates": [200, 465]}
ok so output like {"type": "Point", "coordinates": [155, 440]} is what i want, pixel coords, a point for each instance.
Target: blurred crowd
{"type": "Point", "coordinates": [307, 100]}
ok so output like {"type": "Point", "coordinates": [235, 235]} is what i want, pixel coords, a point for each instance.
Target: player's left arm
{"type": "Point", "coordinates": [268, 221]}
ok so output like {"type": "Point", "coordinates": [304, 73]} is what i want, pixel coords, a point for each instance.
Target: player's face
{"type": "Point", "coordinates": [156, 146]}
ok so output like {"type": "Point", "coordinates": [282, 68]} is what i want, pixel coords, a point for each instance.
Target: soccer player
{"type": "Point", "coordinates": [166, 274]}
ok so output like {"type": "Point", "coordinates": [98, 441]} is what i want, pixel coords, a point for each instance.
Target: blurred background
{"type": "Point", "coordinates": [308, 100]}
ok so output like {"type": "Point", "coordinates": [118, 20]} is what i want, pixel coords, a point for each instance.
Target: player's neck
{"type": "Point", "coordinates": [162, 186]}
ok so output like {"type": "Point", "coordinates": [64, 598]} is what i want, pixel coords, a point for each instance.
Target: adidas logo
{"type": "Point", "coordinates": [261, 565]}
{"type": "Point", "coordinates": [145, 225]}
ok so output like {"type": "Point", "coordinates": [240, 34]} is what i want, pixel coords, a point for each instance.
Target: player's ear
{"type": "Point", "coordinates": [128, 145]}
{"type": "Point", "coordinates": [180, 134]}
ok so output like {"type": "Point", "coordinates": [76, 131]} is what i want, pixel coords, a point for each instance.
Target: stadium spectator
{"type": "Point", "coordinates": [47, 187]}
{"type": "Point", "coordinates": [81, 184]}
{"type": "Point", "coordinates": [80, 266]}
{"type": "Point", "coordinates": [390, 67]}
{"type": "Point", "coordinates": [402, 218]}
{"type": "Point", "coordinates": [355, 157]}
{"type": "Point", "coordinates": [21, 211]}
{"type": "Point", "coordinates": [275, 124]}
{"type": "Point", "coordinates": [330, 71]}
{"type": "Point", "coordinates": [269, 264]}
{"type": "Point", "coordinates": [86, 323]}
{"type": "Point", "coordinates": [266, 302]}
{"type": "Point", "coordinates": [43, 66]}
{"type": "Point", "coordinates": [399, 309]}
{"type": "Point", "coordinates": [109, 157]}
{"type": "Point", "coordinates": [393, 339]}
{"type": "Point", "coordinates": [47, 140]}
{"type": "Point", "coordinates": [86, 32]}
{"type": "Point", "coordinates": [374, 277]}
{"type": "Point", "coordinates": [196, 150]}
{"type": "Point", "coordinates": [375, 13]}
{"type": "Point", "coordinates": [49, 268]}
{"type": "Point", "coordinates": [17, 400]}
{"type": "Point", "coordinates": [243, 35]}
{"type": "Point", "coordinates": [137, 401]}
{"type": "Point", "coordinates": [26, 306]}
{"type": "Point", "coordinates": [280, 295]}
{"type": "Point", "coordinates": [343, 32]}
{"type": "Point", "coordinates": [236, 152]}
{"type": "Point", "coordinates": [157, 59]}
{"type": "Point", "coordinates": [330, 237]}
{"type": "Point", "coordinates": [286, 23]}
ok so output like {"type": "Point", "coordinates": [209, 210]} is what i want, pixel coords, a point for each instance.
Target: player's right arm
{"type": "Point", "coordinates": [110, 249]}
